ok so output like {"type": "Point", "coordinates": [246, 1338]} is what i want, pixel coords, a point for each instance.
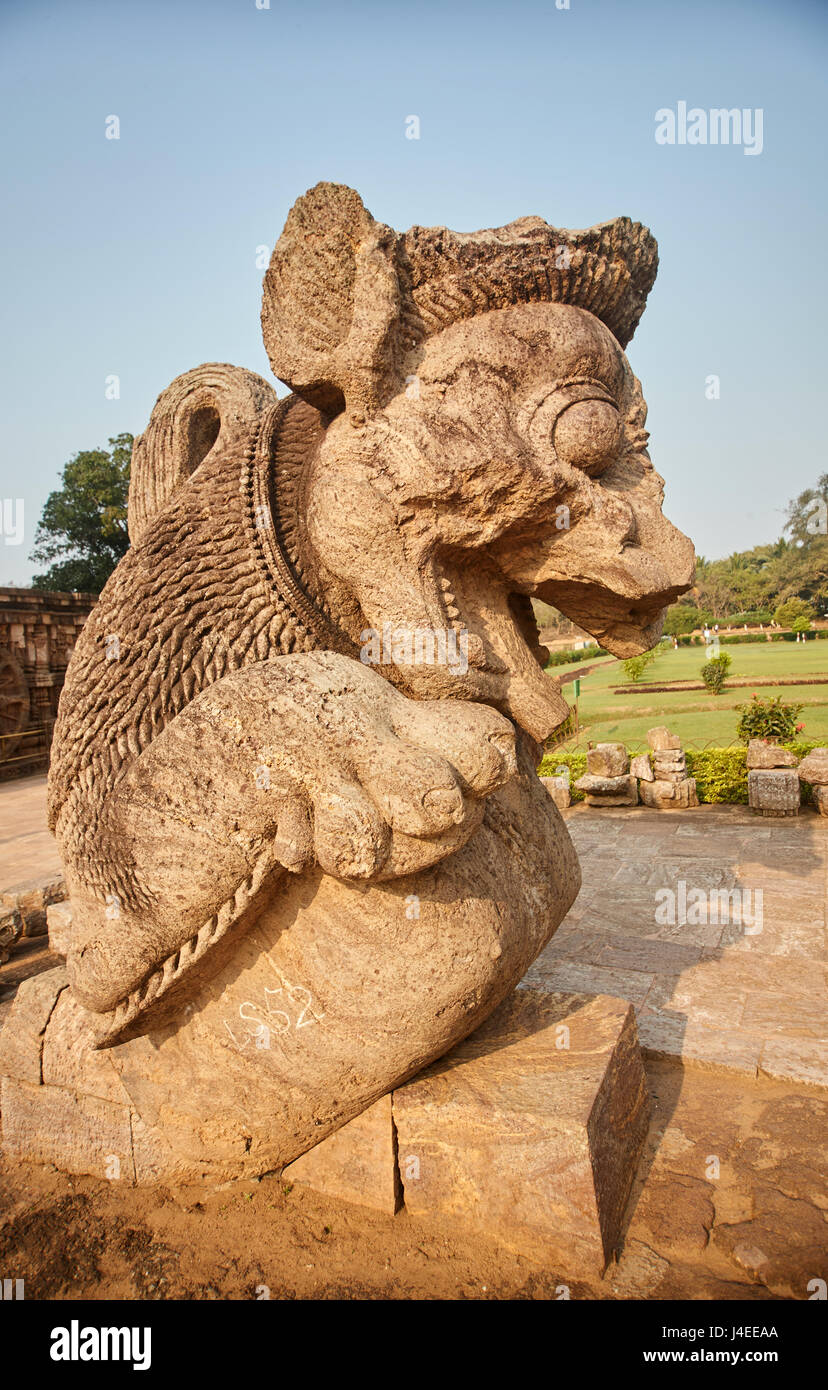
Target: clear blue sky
{"type": "Point", "coordinates": [136, 256]}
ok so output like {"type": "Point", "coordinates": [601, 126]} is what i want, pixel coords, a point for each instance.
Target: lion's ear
{"type": "Point", "coordinates": [331, 302]}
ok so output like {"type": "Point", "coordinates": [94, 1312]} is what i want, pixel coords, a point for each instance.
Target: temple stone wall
{"type": "Point", "coordinates": [38, 631]}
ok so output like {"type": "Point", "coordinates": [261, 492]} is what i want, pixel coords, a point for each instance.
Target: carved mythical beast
{"type": "Point", "coordinates": [284, 863]}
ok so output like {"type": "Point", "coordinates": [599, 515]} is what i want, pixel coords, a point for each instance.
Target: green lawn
{"type": "Point", "coordinates": [698, 718]}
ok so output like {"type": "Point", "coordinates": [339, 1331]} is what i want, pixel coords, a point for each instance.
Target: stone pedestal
{"type": "Point", "coordinates": [531, 1129]}
{"type": "Point", "coordinates": [357, 1164]}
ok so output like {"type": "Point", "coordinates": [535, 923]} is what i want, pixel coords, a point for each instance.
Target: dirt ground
{"type": "Point", "coordinates": [729, 1203]}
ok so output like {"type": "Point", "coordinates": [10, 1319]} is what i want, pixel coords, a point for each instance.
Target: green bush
{"type": "Point", "coordinates": [735, 638]}
{"type": "Point", "coordinates": [720, 773]}
{"type": "Point", "coordinates": [714, 672]}
{"type": "Point", "coordinates": [768, 718]}
{"type": "Point", "coordinates": [567, 657]}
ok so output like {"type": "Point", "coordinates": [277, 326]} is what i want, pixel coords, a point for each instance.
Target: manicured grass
{"type": "Point", "coordinates": [698, 718]}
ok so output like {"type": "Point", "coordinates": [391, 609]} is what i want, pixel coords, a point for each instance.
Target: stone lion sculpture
{"type": "Point", "coordinates": [305, 853]}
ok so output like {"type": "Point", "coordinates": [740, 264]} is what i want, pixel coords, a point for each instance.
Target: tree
{"type": "Point", "coordinates": [681, 618]}
{"type": "Point", "coordinates": [807, 513]}
{"type": "Point", "coordinates": [635, 666]}
{"type": "Point", "coordinates": [793, 608]}
{"type": "Point", "coordinates": [82, 532]}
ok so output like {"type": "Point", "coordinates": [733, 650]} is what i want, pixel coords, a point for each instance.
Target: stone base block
{"type": "Point", "coordinates": [774, 793]}
{"type": "Point", "coordinates": [820, 795]}
{"type": "Point", "coordinates": [532, 1128]}
{"type": "Point", "coordinates": [74, 1132]}
{"type": "Point", "coordinates": [357, 1164]}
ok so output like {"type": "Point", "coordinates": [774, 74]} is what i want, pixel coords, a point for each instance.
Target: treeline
{"type": "Point", "coordinates": [751, 585]}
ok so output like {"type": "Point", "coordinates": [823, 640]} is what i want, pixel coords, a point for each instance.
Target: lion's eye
{"type": "Point", "coordinates": [587, 435]}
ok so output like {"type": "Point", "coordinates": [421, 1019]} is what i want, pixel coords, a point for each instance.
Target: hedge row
{"type": "Point", "coordinates": [720, 773]}
{"type": "Point", "coordinates": [564, 658]}
{"type": "Point", "coordinates": [733, 639]}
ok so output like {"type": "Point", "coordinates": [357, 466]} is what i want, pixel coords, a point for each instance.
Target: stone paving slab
{"type": "Point", "coordinates": [745, 992]}
{"type": "Point", "coordinates": [27, 847]}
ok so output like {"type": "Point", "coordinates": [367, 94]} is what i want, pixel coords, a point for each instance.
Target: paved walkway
{"type": "Point", "coordinates": [749, 996]}
{"type": "Point", "coordinates": [27, 848]}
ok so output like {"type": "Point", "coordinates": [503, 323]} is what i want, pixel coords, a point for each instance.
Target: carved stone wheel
{"type": "Point", "coordinates": [14, 703]}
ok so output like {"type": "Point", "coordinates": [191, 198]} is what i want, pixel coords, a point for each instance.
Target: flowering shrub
{"type": "Point", "coordinates": [770, 718]}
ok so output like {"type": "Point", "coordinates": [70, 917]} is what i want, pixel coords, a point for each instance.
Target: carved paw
{"type": "Point", "coordinates": [389, 785]}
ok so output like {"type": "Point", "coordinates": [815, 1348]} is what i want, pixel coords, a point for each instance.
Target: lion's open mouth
{"type": "Point", "coordinates": [622, 608]}
{"type": "Point", "coordinates": [505, 657]}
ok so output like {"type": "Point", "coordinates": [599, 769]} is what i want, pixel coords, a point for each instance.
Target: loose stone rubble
{"type": "Point", "coordinates": [641, 767]}
{"type": "Point", "coordinates": [670, 788]}
{"type": "Point", "coordinates": [763, 756]}
{"type": "Point", "coordinates": [11, 930]}
{"type": "Point", "coordinates": [813, 770]}
{"type": "Point", "coordinates": [608, 781]}
{"type": "Point", "coordinates": [558, 788]}
{"type": "Point", "coordinates": [31, 901]}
